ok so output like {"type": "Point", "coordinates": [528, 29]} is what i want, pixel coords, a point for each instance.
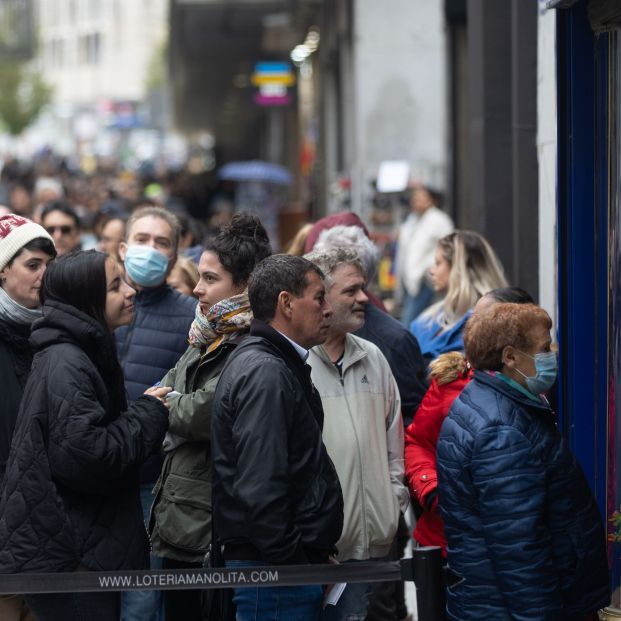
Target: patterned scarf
{"type": "Point", "coordinates": [222, 321]}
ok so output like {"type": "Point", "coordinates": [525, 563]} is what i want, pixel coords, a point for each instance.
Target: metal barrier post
{"type": "Point", "coordinates": [425, 570]}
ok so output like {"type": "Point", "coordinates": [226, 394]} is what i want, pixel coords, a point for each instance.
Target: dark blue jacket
{"type": "Point", "coordinates": [152, 344]}
{"type": "Point", "coordinates": [155, 339]}
{"type": "Point", "coordinates": [521, 523]}
{"type": "Point", "coordinates": [403, 354]}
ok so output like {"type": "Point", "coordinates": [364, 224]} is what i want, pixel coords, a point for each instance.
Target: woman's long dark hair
{"type": "Point", "coordinates": [79, 280]}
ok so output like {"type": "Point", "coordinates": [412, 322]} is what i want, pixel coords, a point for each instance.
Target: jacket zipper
{"type": "Point", "coordinates": [362, 492]}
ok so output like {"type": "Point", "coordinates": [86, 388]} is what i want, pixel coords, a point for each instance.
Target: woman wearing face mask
{"type": "Point", "coordinates": [466, 268]}
{"type": "Point", "coordinates": [25, 250]}
{"type": "Point", "coordinates": [521, 523]}
{"type": "Point", "coordinates": [70, 498]}
{"type": "Point", "coordinates": [449, 374]}
{"type": "Point", "coordinates": [180, 521]}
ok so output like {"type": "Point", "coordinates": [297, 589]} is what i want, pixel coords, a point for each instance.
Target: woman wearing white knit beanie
{"type": "Point", "coordinates": [25, 250]}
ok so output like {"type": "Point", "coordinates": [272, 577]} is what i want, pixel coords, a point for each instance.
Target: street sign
{"type": "Point", "coordinates": [273, 80]}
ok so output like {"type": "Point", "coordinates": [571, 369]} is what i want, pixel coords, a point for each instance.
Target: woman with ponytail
{"type": "Point", "coordinates": [180, 521]}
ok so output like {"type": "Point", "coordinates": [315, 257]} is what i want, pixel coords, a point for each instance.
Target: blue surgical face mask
{"type": "Point", "coordinates": [145, 266]}
{"type": "Point", "coordinates": [546, 367]}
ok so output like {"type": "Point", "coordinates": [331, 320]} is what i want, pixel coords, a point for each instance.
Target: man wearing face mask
{"type": "Point", "coordinates": [521, 523]}
{"type": "Point", "coordinates": [152, 344]}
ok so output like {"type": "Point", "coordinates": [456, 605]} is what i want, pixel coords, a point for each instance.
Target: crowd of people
{"type": "Point", "coordinates": [268, 404]}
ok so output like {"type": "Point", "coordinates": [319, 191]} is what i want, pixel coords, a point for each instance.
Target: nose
{"type": "Point", "coordinates": [362, 297]}
{"type": "Point", "coordinates": [327, 309]}
{"type": "Point", "coordinates": [130, 292]}
{"type": "Point", "coordinates": [198, 290]}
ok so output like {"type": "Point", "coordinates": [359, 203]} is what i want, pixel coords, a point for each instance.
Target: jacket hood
{"type": "Point", "coordinates": [448, 367]}
{"type": "Point", "coordinates": [63, 323]}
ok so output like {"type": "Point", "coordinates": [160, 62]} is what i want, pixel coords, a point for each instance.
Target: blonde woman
{"type": "Point", "coordinates": [466, 268]}
{"type": "Point", "coordinates": [184, 276]}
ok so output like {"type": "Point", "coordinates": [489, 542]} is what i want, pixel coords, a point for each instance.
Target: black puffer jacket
{"type": "Point", "coordinates": [15, 361]}
{"type": "Point", "coordinates": [277, 496]}
{"type": "Point", "coordinates": [71, 490]}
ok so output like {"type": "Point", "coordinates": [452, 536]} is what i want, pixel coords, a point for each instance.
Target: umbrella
{"type": "Point", "coordinates": [256, 170]}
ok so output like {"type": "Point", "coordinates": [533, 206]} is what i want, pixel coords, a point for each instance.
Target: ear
{"type": "Point", "coordinates": [509, 358]}
{"type": "Point", "coordinates": [122, 250]}
{"type": "Point", "coordinates": [284, 304]}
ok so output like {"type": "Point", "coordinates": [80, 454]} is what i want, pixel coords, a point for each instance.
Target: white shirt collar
{"type": "Point", "coordinates": [303, 353]}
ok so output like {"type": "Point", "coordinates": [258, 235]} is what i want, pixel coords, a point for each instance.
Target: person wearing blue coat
{"type": "Point", "coordinates": [522, 526]}
{"type": "Point", "coordinates": [466, 268]}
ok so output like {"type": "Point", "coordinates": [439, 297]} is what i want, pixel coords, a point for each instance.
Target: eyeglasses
{"type": "Point", "coordinates": [64, 229]}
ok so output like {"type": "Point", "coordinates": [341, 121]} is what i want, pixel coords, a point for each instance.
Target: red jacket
{"type": "Point", "coordinates": [449, 376]}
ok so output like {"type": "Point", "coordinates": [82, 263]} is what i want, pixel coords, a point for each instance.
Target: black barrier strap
{"type": "Point", "coordinates": [264, 576]}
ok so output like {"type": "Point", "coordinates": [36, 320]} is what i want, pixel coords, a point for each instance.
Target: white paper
{"type": "Point", "coordinates": [335, 593]}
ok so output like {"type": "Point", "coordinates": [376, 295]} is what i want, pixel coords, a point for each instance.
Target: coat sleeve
{"type": "Point", "coordinates": [190, 414]}
{"type": "Point", "coordinates": [421, 440]}
{"type": "Point", "coordinates": [88, 452]}
{"type": "Point", "coordinates": [511, 486]}
{"type": "Point", "coordinates": [260, 438]}
{"type": "Point", "coordinates": [394, 442]}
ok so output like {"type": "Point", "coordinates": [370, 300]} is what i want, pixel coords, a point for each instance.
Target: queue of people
{"type": "Point", "coordinates": [267, 412]}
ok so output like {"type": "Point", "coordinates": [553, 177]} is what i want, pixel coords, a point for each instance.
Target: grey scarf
{"type": "Point", "coordinates": [12, 311]}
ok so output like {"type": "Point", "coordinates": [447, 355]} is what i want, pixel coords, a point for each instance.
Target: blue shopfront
{"type": "Point", "coordinates": [588, 44]}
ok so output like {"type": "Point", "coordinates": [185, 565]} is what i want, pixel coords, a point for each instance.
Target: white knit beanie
{"type": "Point", "coordinates": [15, 232]}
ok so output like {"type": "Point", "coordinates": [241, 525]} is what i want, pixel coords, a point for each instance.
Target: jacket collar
{"type": "Point", "coordinates": [293, 361]}
{"type": "Point", "coordinates": [353, 353]}
{"type": "Point", "coordinates": [284, 347]}
{"type": "Point", "coordinates": [499, 385]}
{"type": "Point", "coordinates": [152, 295]}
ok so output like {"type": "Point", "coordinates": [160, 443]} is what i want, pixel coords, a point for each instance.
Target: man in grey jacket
{"type": "Point", "coordinates": [363, 430]}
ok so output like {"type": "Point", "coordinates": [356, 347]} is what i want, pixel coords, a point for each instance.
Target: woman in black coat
{"type": "Point", "coordinates": [70, 500]}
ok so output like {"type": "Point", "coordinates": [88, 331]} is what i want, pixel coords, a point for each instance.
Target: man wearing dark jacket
{"type": "Point", "coordinates": [152, 344]}
{"type": "Point", "coordinates": [276, 494]}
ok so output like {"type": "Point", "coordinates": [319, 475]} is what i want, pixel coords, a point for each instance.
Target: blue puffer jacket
{"type": "Point", "coordinates": [521, 523]}
{"type": "Point", "coordinates": [151, 345]}
{"type": "Point", "coordinates": [156, 338]}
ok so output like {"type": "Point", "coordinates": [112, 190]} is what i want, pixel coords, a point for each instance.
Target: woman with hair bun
{"type": "Point", "coordinates": [180, 522]}
{"type": "Point", "coordinates": [466, 268]}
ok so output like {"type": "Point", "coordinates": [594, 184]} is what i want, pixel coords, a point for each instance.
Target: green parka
{"type": "Point", "coordinates": [180, 521]}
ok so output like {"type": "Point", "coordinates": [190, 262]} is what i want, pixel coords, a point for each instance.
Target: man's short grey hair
{"type": "Point", "coordinates": [352, 237]}
{"type": "Point", "coordinates": [327, 261]}
{"type": "Point", "coordinates": [157, 212]}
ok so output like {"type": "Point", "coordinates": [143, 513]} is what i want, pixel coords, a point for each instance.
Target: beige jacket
{"type": "Point", "coordinates": [363, 432]}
